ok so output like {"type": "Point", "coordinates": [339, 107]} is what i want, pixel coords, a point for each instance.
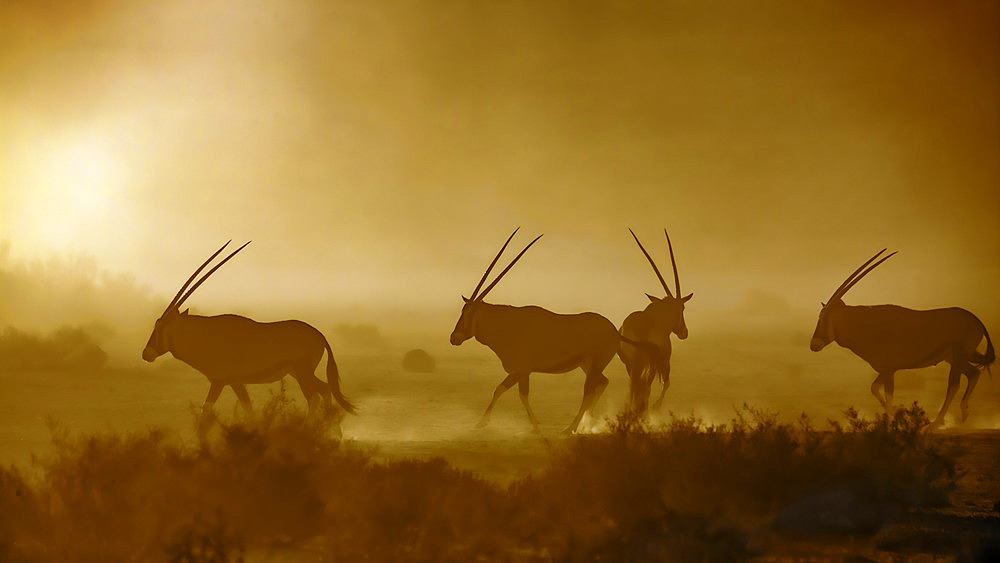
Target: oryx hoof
{"type": "Point", "coordinates": [482, 423]}
{"type": "Point", "coordinates": [568, 431]}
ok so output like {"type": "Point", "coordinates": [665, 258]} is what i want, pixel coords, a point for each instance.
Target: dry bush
{"type": "Point", "coordinates": [67, 348]}
{"type": "Point", "coordinates": [693, 491]}
{"type": "Point", "coordinates": [71, 289]}
{"type": "Point", "coordinates": [418, 361]}
{"type": "Point", "coordinates": [279, 482]}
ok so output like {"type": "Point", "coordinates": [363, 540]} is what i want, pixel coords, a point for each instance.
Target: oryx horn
{"type": "Point", "coordinates": [195, 274]}
{"type": "Point", "coordinates": [855, 277]}
{"type": "Point", "coordinates": [509, 266]}
{"type": "Point", "coordinates": [677, 279]}
{"type": "Point", "coordinates": [210, 272]}
{"type": "Point", "coordinates": [653, 264]}
{"type": "Point", "coordinates": [493, 263]}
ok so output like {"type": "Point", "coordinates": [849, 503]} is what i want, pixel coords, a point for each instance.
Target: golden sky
{"type": "Point", "coordinates": [378, 153]}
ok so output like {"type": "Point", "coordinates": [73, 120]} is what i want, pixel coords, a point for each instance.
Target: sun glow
{"type": "Point", "coordinates": [68, 196]}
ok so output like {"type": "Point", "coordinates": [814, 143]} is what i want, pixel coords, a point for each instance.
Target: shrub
{"type": "Point", "coordinates": [68, 348]}
{"type": "Point", "coordinates": [278, 480]}
{"type": "Point", "coordinates": [418, 361]}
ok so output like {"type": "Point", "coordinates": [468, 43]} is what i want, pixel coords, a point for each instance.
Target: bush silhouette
{"type": "Point", "coordinates": [278, 482]}
{"type": "Point", "coordinates": [68, 348]}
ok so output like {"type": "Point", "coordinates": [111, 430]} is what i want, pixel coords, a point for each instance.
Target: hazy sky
{"type": "Point", "coordinates": [378, 153]}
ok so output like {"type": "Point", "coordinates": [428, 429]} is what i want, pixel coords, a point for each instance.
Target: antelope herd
{"type": "Point", "coordinates": [235, 351]}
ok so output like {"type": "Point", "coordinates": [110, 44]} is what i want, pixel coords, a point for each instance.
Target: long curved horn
{"type": "Point", "coordinates": [840, 290]}
{"type": "Point", "coordinates": [509, 266]}
{"type": "Point", "coordinates": [493, 263]}
{"type": "Point", "coordinates": [677, 280]}
{"type": "Point", "coordinates": [865, 273]}
{"type": "Point", "coordinates": [210, 272]}
{"type": "Point", "coordinates": [653, 264]}
{"type": "Point", "coordinates": [195, 274]}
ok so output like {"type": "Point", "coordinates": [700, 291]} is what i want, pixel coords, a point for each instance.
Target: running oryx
{"type": "Point", "coordinates": [532, 339]}
{"type": "Point", "coordinates": [891, 338]}
{"type": "Point", "coordinates": [233, 350]}
{"type": "Point", "coordinates": [652, 325]}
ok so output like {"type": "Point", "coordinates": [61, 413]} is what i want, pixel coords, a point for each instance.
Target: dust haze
{"type": "Point", "coordinates": [376, 154]}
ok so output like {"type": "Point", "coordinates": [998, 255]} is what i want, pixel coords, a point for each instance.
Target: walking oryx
{"type": "Point", "coordinates": [233, 350]}
{"type": "Point", "coordinates": [532, 339]}
{"type": "Point", "coordinates": [891, 338]}
{"type": "Point", "coordinates": [652, 325]}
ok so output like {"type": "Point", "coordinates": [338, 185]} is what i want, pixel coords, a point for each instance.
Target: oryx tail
{"type": "Point", "coordinates": [654, 363]}
{"type": "Point", "coordinates": [980, 360]}
{"type": "Point", "coordinates": [333, 380]}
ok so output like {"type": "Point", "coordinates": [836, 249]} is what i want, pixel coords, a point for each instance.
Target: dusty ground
{"type": "Point", "coordinates": [433, 415]}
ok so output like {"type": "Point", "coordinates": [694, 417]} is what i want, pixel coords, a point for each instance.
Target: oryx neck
{"type": "Point", "coordinates": [837, 317]}
{"type": "Point", "coordinates": [170, 330]}
{"type": "Point", "coordinates": [484, 325]}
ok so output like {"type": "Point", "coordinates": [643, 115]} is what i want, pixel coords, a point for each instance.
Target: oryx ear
{"type": "Point", "coordinates": [465, 299]}
{"type": "Point", "coordinates": [686, 299]}
{"type": "Point", "coordinates": [185, 311]}
{"type": "Point", "coordinates": [653, 299]}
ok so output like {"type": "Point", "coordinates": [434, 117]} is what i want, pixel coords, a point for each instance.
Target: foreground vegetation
{"type": "Point", "coordinates": [279, 483]}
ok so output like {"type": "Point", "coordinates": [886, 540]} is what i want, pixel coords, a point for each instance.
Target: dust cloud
{"type": "Point", "coordinates": [377, 155]}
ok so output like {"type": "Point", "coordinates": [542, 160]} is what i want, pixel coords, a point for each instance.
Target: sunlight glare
{"type": "Point", "coordinates": [76, 188]}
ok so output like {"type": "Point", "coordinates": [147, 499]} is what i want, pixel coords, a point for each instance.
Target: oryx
{"type": "Point", "coordinates": [891, 338]}
{"type": "Point", "coordinates": [233, 350]}
{"type": "Point", "coordinates": [533, 339]}
{"type": "Point", "coordinates": [653, 325]}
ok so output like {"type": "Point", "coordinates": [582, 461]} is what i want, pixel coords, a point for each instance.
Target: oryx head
{"type": "Point", "coordinates": [668, 312]}
{"type": "Point", "coordinates": [825, 332]}
{"type": "Point", "coordinates": [157, 344]}
{"type": "Point", "coordinates": [465, 327]}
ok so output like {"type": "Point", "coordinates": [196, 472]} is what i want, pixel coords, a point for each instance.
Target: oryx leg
{"type": "Point", "coordinates": [243, 396]}
{"type": "Point", "coordinates": [207, 410]}
{"type": "Point", "coordinates": [665, 377]}
{"type": "Point", "coordinates": [522, 391]}
{"type": "Point", "coordinates": [635, 375]}
{"type": "Point", "coordinates": [506, 384]}
{"type": "Point", "coordinates": [305, 374]}
{"type": "Point", "coordinates": [880, 381]}
{"type": "Point", "coordinates": [593, 387]}
{"type": "Point", "coordinates": [888, 387]}
{"type": "Point", "coordinates": [954, 378]}
{"type": "Point", "coordinates": [213, 395]}
{"type": "Point", "coordinates": [311, 386]}
{"type": "Point", "coordinates": [972, 374]}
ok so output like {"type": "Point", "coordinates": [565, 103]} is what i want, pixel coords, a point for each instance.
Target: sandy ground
{"type": "Point", "coordinates": [434, 415]}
